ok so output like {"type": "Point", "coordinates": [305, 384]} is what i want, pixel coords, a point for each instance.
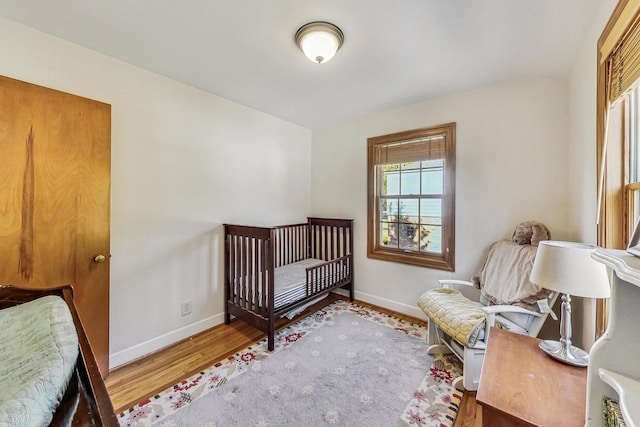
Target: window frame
{"type": "Point", "coordinates": [443, 261]}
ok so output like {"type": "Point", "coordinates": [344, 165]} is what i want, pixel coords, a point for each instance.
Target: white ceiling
{"type": "Point", "coordinates": [394, 53]}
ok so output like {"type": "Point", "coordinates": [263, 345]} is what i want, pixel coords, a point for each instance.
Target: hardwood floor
{"type": "Point", "coordinates": [470, 413]}
{"type": "Point", "coordinates": [145, 377]}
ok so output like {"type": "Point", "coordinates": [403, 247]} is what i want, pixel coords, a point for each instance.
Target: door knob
{"type": "Point", "coordinates": [100, 258]}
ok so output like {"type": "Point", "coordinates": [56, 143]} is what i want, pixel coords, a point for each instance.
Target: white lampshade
{"type": "Point", "coordinates": [568, 268]}
{"type": "Point", "coordinates": [319, 40]}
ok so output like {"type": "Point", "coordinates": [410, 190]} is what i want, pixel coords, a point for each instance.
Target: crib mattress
{"type": "Point", "coordinates": [290, 281]}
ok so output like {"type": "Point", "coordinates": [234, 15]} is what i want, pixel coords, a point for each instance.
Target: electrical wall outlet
{"type": "Point", "coordinates": [186, 307]}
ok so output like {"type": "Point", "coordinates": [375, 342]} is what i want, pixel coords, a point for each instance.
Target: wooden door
{"type": "Point", "coordinates": [55, 179]}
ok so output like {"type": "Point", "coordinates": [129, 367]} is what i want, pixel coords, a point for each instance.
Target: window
{"type": "Point", "coordinates": [411, 200]}
{"type": "Point", "coordinates": [618, 125]}
{"type": "Point", "coordinates": [632, 161]}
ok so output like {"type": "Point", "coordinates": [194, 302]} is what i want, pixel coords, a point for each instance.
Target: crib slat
{"type": "Point", "coordinates": [269, 288]}
{"type": "Point", "coordinates": [256, 268]}
{"type": "Point", "coordinates": [230, 268]}
{"type": "Point", "coordinates": [249, 283]}
{"type": "Point", "coordinates": [329, 242]}
{"type": "Point", "coordinates": [236, 274]}
{"type": "Point", "coordinates": [303, 242]}
{"type": "Point", "coordinates": [334, 238]}
{"type": "Point", "coordinates": [263, 274]}
{"type": "Point", "coordinates": [300, 244]}
{"type": "Point", "coordinates": [243, 271]}
{"type": "Point", "coordinates": [294, 244]}
{"type": "Point", "coordinates": [325, 244]}
{"type": "Point", "coordinates": [239, 273]}
{"type": "Point", "coordinates": [276, 255]}
{"type": "Point", "coordinates": [279, 248]}
{"type": "Point", "coordinates": [282, 249]}
{"type": "Point", "coordinates": [245, 283]}
{"type": "Point", "coordinates": [234, 283]}
{"type": "Point", "coordinates": [250, 276]}
{"type": "Point", "coordinates": [290, 245]}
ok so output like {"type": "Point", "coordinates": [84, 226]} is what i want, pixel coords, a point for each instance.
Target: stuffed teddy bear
{"type": "Point", "coordinates": [530, 233]}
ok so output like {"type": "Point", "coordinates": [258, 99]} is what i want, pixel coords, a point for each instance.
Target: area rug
{"type": "Point", "coordinates": [342, 366]}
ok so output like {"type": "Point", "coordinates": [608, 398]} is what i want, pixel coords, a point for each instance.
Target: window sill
{"type": "Point", "coordinates": [435, 262]}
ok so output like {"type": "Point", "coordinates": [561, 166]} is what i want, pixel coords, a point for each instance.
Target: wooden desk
{"type": "Point", "coordinates": [521, 386]}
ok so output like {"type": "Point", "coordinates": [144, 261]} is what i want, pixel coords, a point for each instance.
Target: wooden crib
{"type": "Point", "coordinates": [271, 271]}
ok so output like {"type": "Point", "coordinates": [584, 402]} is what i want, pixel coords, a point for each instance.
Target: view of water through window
{"type": "Point", "coordinates": [411, 205]}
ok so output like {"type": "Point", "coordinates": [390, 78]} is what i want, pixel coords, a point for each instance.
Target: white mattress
{"type": "Point", "coordinates": [291, 280]}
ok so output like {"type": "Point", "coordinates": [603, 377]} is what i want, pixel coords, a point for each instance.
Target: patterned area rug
{"type": "Point", "coordinates": [343, 366]}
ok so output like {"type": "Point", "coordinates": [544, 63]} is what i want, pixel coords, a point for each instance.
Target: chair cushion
{"type": "Point", "coordinates": [37, 359]}
{"type": "Point", "coordinates": [455, 314]}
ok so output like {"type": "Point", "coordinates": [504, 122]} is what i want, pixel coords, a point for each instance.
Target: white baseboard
{"type": "Point", "coordinates": [399, 307]}
{"type": "Point", "coordinates": [144, 348]}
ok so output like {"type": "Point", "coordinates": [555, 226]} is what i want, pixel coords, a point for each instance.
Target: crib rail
{"type": "Point", "coordinates": [321, 279]}
{"type": "Point", "coordinates": [330, 275]}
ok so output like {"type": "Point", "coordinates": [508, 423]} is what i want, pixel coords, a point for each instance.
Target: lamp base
{"type": "Point", "coordinates": [571, 355]}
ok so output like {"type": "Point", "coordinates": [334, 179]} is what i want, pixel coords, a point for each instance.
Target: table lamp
{"type": "Point", "coordinates": [568, 268]}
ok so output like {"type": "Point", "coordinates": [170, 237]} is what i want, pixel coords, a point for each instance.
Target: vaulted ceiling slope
{"type": "Point", "coordinates": [394, 53]}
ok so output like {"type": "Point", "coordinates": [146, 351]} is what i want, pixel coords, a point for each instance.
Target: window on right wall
{"type": "Point", "coordinates": [632, 159]}
{"type": "Point", "coordinates": [411, 200]}
{"type": "Point", "coordinates": [617, 130]}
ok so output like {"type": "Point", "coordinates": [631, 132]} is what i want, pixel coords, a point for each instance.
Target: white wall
{"type": "Point", "coordinates": [511, 158]}
{"type": "Point", "coordinates": [582, 159]}
{"type": "Point", "coordinates": [183, 163]}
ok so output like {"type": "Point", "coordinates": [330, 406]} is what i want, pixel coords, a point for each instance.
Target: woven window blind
{"type": "Point", "coordinates": [624, 63]}
{"type": "Point", "coordinates": [416, 150]}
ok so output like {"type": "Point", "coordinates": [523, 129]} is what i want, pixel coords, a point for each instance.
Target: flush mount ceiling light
{"type": "Point", "coordinates": [319, 40]}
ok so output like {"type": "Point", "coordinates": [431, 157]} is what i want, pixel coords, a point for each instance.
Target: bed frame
{"type": "Point", "coordinates": [253, 253]}
{"type": "Point", "coordinates": [86, 401]}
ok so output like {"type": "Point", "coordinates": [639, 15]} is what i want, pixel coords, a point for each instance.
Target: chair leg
{"type": "Point", "coordinates": [438, 349]}
{"type": "Point", "coordinates": [472, 367]}
{"type": "Point", "coordinates": [458, 383]}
